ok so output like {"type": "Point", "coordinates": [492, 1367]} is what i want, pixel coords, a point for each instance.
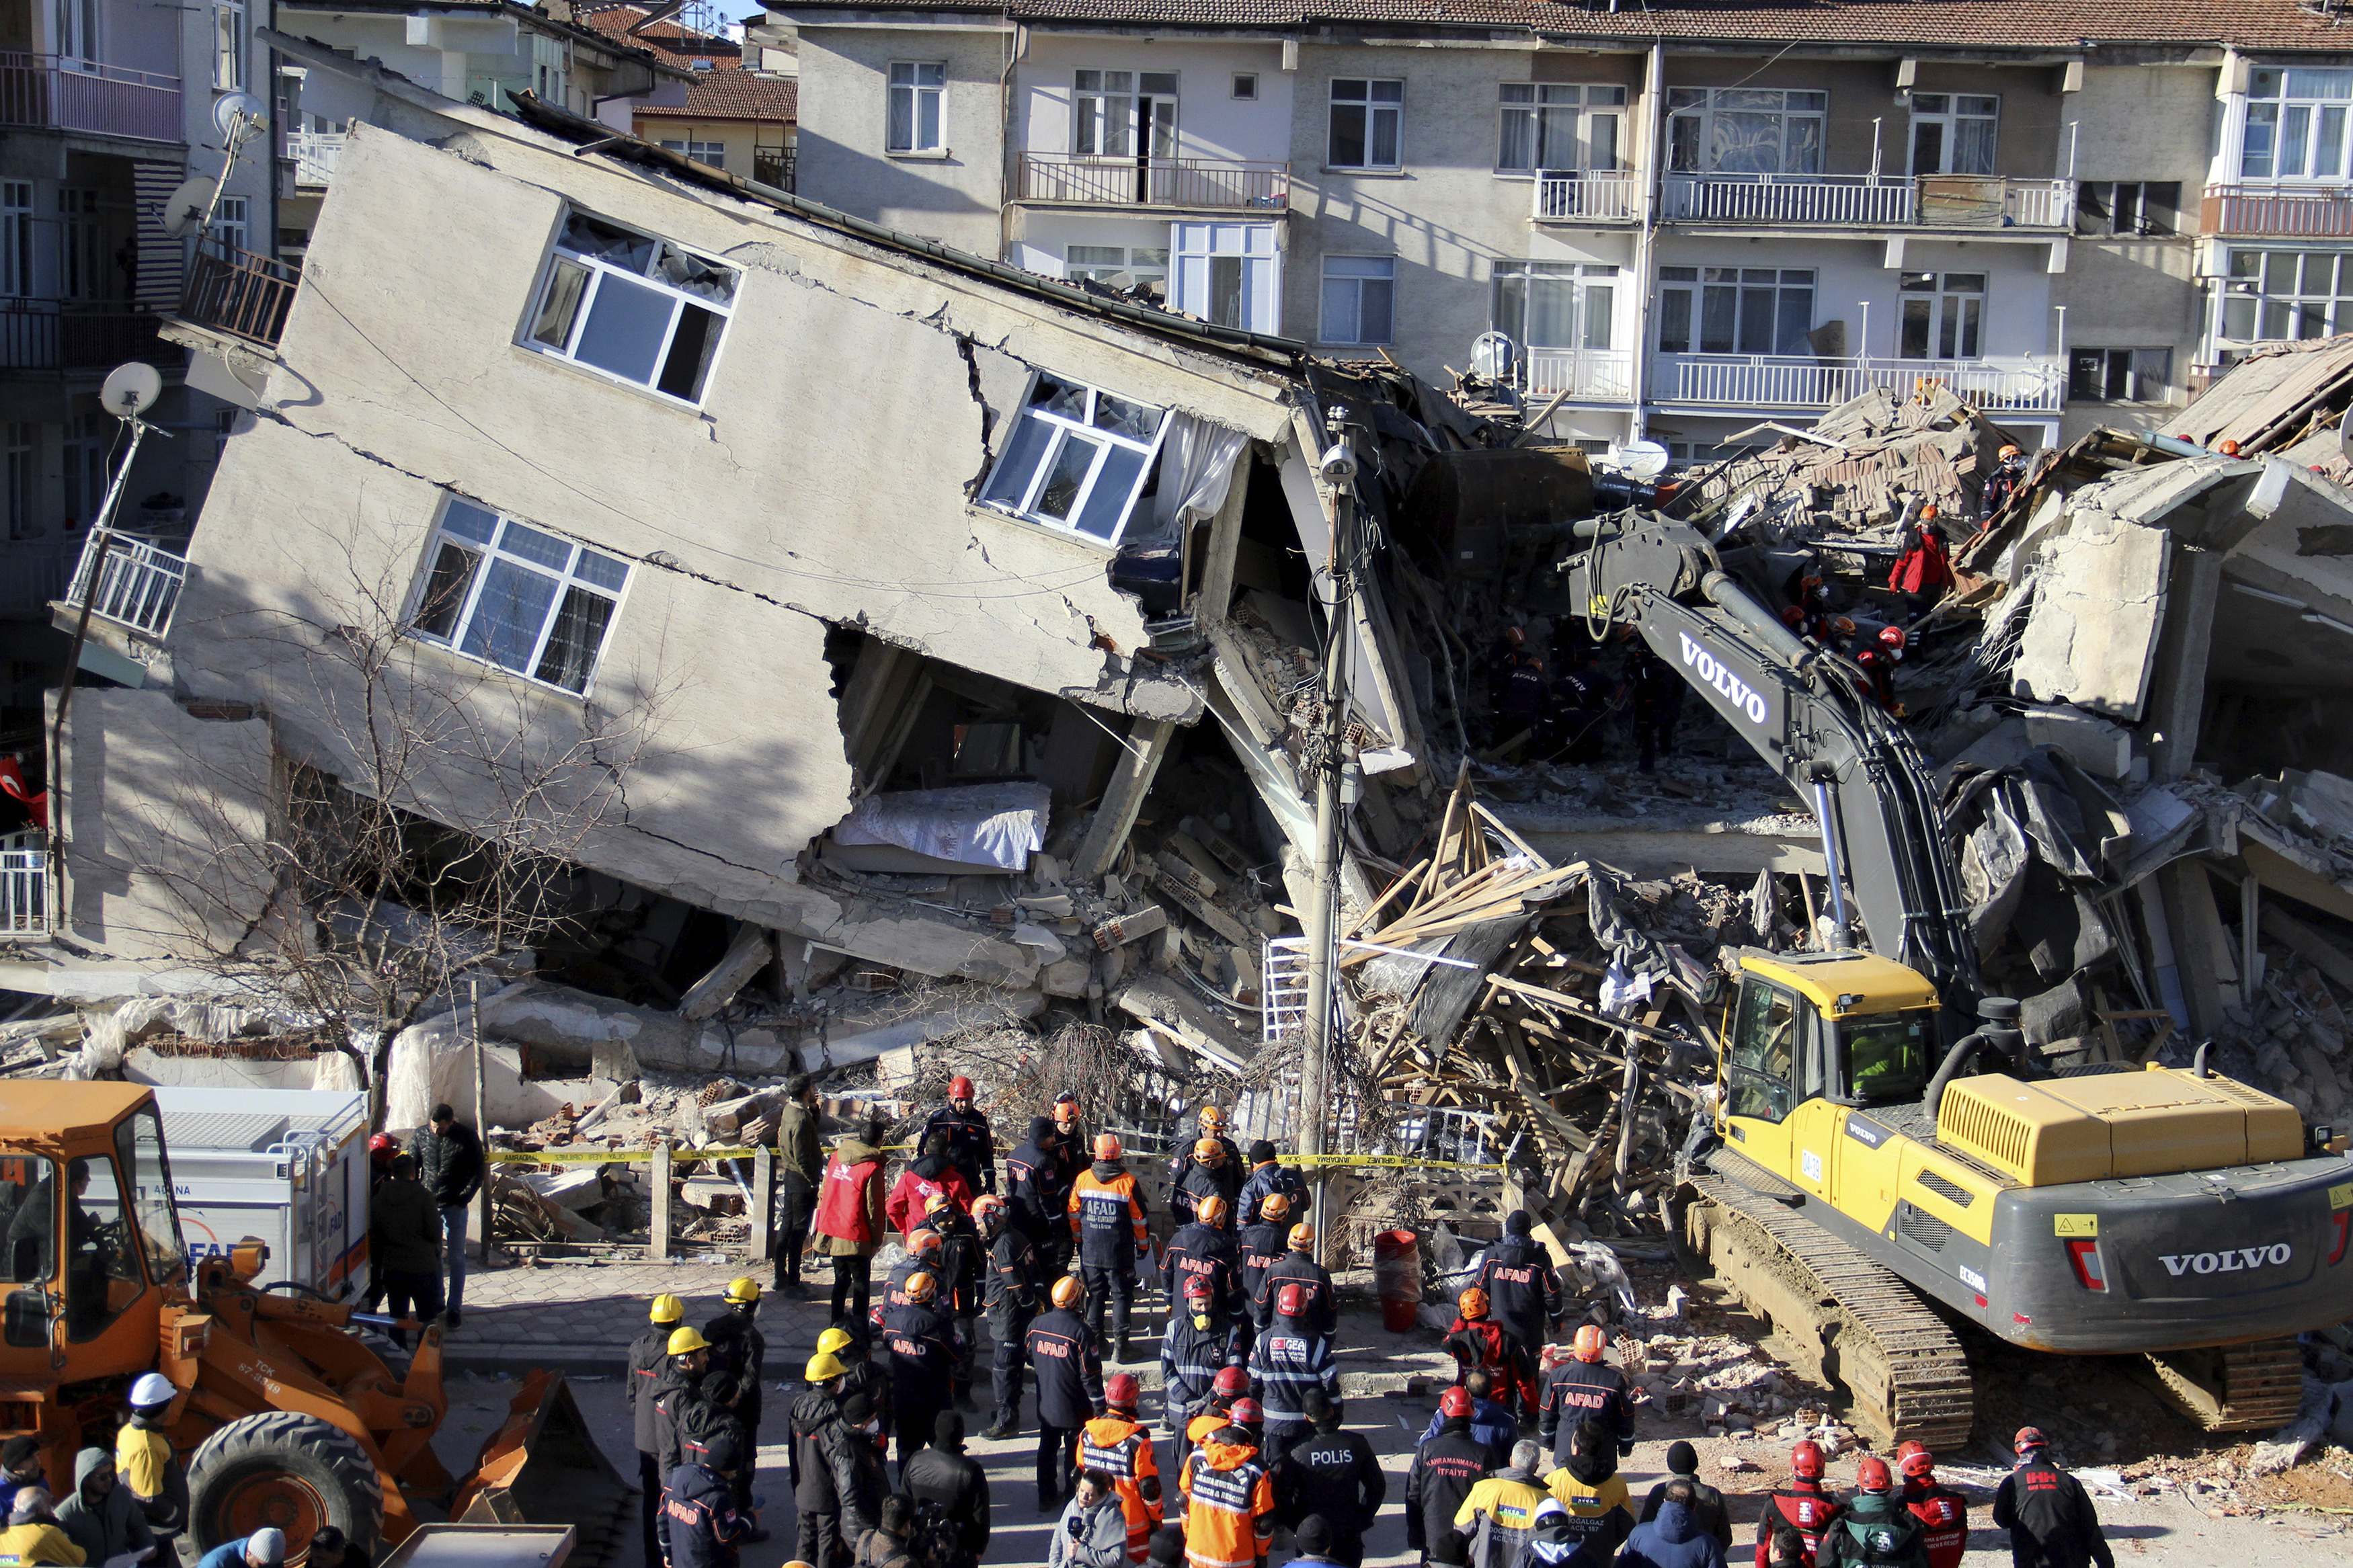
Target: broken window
{"type": "Point", "coordinates": [2119, 375]}
{"type": "Point", "coordinates": [1368, 120]}
{"type": "Point", "coordinates": [516, 597]}
{"type": "Point", "coordinates": [919, 92]}
{"type": "Point", "coordinates": [1076, 459]}
{"type": "Point", "coordinates": [635, 307]}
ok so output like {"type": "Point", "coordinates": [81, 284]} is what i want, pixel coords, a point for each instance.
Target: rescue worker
{"type": "Point", "coordinates": [930, 1171]}
{"type": "Point", "coordinates": [1034, 1186]}
{"type": "Point", "coordinates": [707, 1414]}
{"type": "Point", "coordinates": [1707, 1506]}
{"type": "Point", "coordinates": [1445, 1468]}
{"type": "Point", "coordinates": [265, 1548]}
{"type": "Point", "coordinates": [1520, 704]}
{"type": "Point", "coordinates": [1550, 1544]}
{"type": "Point", "coordinates": [1586, 1387]}
{"type": "Point", "coordinates": [1578, 708]}
{"type": "Point", "coordinates": [1600, 1508]}
{"type": "Point", "coordinates": [1228, 1389]}
{"type": "Point", "coordinates": [1802, 1507]}
{"type": "Point", "coordinates": [925, 1347]}
{"type": "Point", "coordinates": [1204, 1177]}
{"type": "Point", "coordinates": [741, 1350]}
{"type": "Point", "coordinates": [702, 1523]}
{"type": "Point", "coordinates": [1921, 568]}
{"type": "Point", "coordinates": [800, 1166]}
{"type": "Point", "coordinates": [1312, 1539]}
{"type": "Point", "coordinates": [1333, 1475]}
{"type": "Point", "coordinates": [1261, 1245]}
{"type": "Point", "coordinates": [1093, 1531]}
{"type": "Point", "coordinates": [1874, 1529]}
{"type": "Point", "coordinates": [1199, 1343]}
{"type": "Point", "coordinates": [943, 1480]}
{"type": "Point", "coordinates": [1658, 705]}
{"type": "Point", "coordinates": [2008, 478]}
{"type": "Point", "coordinates": [1477, 1341]}
{"type": "Point", "coordinates": [849, 1217]}
{"type": "Point", "coordinates": [1063, 1351]}
{"type": "Point", "coordinates": [1289, 1360]}
{"type": "Point", "coordinates": [1674, 1538]}
{"type": "Point", "coordinates": [1943, 1513]}
{"type": "Point", "coordinates": [687, 1356]}
{"type": "Point", "coordinates": [962, 1269]}
{"type": "Point", "coordinates": [1497, 1514]}
{"type": "Point", "coordinates": [923, 1255]}
{"type": "Point", "coordinates": [1228, 1169]}
{"type": "Point", "coordinates": [648, 1353]}
{"type": "Point", "coordinates": [828, 1501]}
{"type": "Point", "coordinates": [1015, 1288]}
{"type": "Point", "coordinates": [1118, 1447]}
{"type": "Point", "coordinates": [1228, 1497]}
{"type": "Point", "coordinates": [1524, 1295]}
{"type": "Point", "coordinates": [1267, 1179]}
{"type": "Point", "coordinates": [1298, 1266]}
{"type": "Point", "coordinates": [405, 1237]}
{"type": "Point", "coordinates": [147, 1462]}
{"type": "Point", "coordinates": [1203, 1248]}
{"type": "Point", "coordinates": [862, 1372]}
{"type": "Point", "coordinates": [1108, 1227]}
{"type": "Point", "coordinates": [1490, 1422]}
{"type": "Point", "coordinates": [2048, 1513]}
{"type": "Point", "coordinates": [971, 1147]}
{"type": "Point", "coordinates": [34, 1537]}
{"type": "Point", "coordinates": [1072, 1149]}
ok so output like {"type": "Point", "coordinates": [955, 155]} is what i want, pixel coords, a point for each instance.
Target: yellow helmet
{"type": "Point", "coordinates": [742, 1292]}
{"type": "Point", "coordinates": [824, 1367]}
{"type": "Point", "coordinates": [668, 1309]}
{"type": "Point", "coordinates": [833, 1341]}
{"type": "Point", "coordinates": [687, 1340]}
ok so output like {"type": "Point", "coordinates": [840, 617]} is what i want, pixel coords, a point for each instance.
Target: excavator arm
{"type": "Point", "coordinates": [1811, 717]}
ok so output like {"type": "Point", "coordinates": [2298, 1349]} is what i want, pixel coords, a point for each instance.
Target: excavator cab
{"type": "Point", "coordinates": [1851, 1028]}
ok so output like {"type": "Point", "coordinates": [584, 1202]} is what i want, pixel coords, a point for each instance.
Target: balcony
{"type": "Point", "coordinates": [238, 292]}
{"type": "Point", "coordinates": [44, 334]}
{"type": "Point", "coordinates": [1589, 197]}
{"type": "Point", "coordinates": [137, 585]}
{"type": "Point", "coordinates": [2278, 211]}
{"type": "Point", "coordinates": [1191, 184]}
{"type": "Point", "coordinates": [1585, 375]}
{"type": "Point", "coordinates": [52, 93]}
{"type": "Point", "coordinates": [1870, 201]}
{"type": "Point", "coordinates": [26, 908]}
{"type": "Point", "coordinates": [315, 153]}
{"type": "Point", "coordinates": [2020, 385]}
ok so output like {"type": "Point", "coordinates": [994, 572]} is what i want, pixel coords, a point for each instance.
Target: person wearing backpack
{"type": "Point", "coordinates": [1875, 1530]}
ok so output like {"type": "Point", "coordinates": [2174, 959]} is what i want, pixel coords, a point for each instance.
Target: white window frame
{"type": "Point", "coordinates": [1365, 94]}
{"type": "Point", "coordinates": [78, 25]}
{"type": "Point", "coordinates": [229, 46]}
{"type": "Point", "coordinates": [714, 154]}
{"type": "Point", "coordinates": [83, 259]}
{"type": "Point", "coordinates": [1592, 329]}
{"type": "Point", "coordinates": [1018, 495]}
{"type": "Point", "coordinates": [1353, 283]}
{"type": "Point", "coordinates": [1954, 118]}
{"type": "Point", "coordinates": [1105, 120]}
{"type": "Point", "coordinates": [233, 222]}
{"type": "Point", "coordinates": [2301, 115]}
{"type": "Point", "coordinates": [910, 84]}
{"type": "Point", "coordinates": [1204, 253]}
{"type": "Point", "coordinates": [563, 260]}
{"type": "Point", "coordinates": [1557, 118]}
{"type": "Point", "coordinates": [1695, 289]}
{"type": "Point", "coordinates": [1136, 264]}
{"type": "Point", "coordinates": [1948, 313]}
{"type": "Point", "coordinates": [586, 571]}
{"type": "Point", "coordinates": [1699, 107]}
{"type": "Point", "coordinates": [2280, 279]}
{"type": "Point", "coordinates": [88, 456]}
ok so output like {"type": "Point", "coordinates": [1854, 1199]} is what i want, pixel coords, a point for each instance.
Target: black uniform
{"type": "Point", "coordinates": [1035, 1191]}
{"type": "Point", "coordinates": [672, 1392]}
{"type": "Point", "coordinates": [1068, 1364]}
{"type": "Point", "coordinates": [958, 1487]}
{"type": "Point", "coordinates": [1337, 1474]}
{"type": "Point", "coordinates": [1015, 1291]}
{"type": "Point", "coordinates": [1271, 1178]}
{"type": "Point", "coordinates": [1070, 1156]}
{"type": "Point", "coordinates": [1228, 1177]}
{"type": "Point", "coordinates": [1578, 1391]}
{"type": "Point", "coordinates": [964, 1264]}
{"type": "Point", "coordinates": [1658, 704]}
{"type": "Point", "coordinates": [649, 1355]}
{"type": "Point", "coordinates": [828, 1496]}
{"type": "Point", "coordinates": [1197, 1182]}
{"type": "Point", "coordinates": [702, 1421]}
{"type": "Point", "coordinates": [1323, 1314]}
{"type": "Point", "coordinates": [2050, 1517]}
{"type": "Point", "coordinates": [1191, 1356]}
{"type": "Point", "coordinates": [1524, 1298]}
{"type": "Point", "coordinates": [925, 1347]}
{"type": "Point", "coordinates": [741, 1350]}
{"type": "Point", "coordinates": [1206, 1251]}
{"type": "Point", "coordinates": [971, 1148]}
{"type": "Point", "coordinates": [871, 1378]}
{"type": "Point", "coordinates": [1444, 1470]}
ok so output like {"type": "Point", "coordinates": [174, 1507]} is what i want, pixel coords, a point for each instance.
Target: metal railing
{"type": "Point", "coordinates": [137, 586]}
{"type": "Point", "coordinates": [2022, 386]}
{"type": "Point", "coordinates": [45, 335]}
{"type": "Point", "coordinates": [775, 169]}
{"type": "Point", "coordinates": [238, 292]}
{"type": "Point", "coordinates": [1887, 201]}
{"type": "Point", "coordinates": [315, 153]}
{"type": "Point", "coordinates": [26, 905]}
{"type": "Point", "coordinates": [1581, 373]}
{"type": "Point", "coordinates": [1584, 197]}
{"type": "Point", "coordinates": [59, 93]}
{"type": "Point", "coordinates": [1086, 181]}
{"type": "Point", "coordinates": [2282, 212]}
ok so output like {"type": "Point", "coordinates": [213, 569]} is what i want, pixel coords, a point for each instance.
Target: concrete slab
{"type": "Point", "coordinates": [2092, 634]}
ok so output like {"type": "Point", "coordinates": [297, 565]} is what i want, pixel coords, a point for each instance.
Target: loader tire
{"type": "Point", "coordinates": [282, 1468]}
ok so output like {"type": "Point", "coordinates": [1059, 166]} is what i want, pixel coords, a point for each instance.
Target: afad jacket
{"type": "Point", "coordinates": [1107, 1215]}
{"type": "Point", "coordinates": [1229, 1503]}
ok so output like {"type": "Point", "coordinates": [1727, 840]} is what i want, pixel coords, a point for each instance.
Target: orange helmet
{"type": "Point", "coordinates": [1291, 1301]}
{"type": "Point", "coordinates": [2009, 449]}
{"type": "Point", "coordinates": [1208, 1151]}
{"type": "Point", "coordinates": [1122, 1392]}
{"type": "Point", "coordinates": [1068, 1292]}
{"type": "Point", "coordinates": [922, 1287]}
{"type": "Point", "coordinates": [1303, 1236]}
{"type": "Point", "coordinates": [1806, 1460]}
{"type": "Point", "coordinates": [1871, 1475]}
{"type": "Point", "coordinates": [1274, 1208]}
{"type": "Point", "coordinates": [988, 1206]}
{"type": "Point", "coordinates": [1589, 1345]}
{"type": "Point", "coordinates": [1472, 1304]}
{"type": "Point", "coordinates": [1106, 1146]}
{"type": "Point", "coordinates": [1212, 1119]}
{"type": "Point", "coordinates": [937, 1202]}
{"type": "Point", "coordinates": [923, 1241]}
{"type": "Point", "coordinates": [1212, 1210]}
{"type": "Point", "coordinates": [1066, 1108]}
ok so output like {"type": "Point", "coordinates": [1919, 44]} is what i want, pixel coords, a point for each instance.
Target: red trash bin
{"type": "Point", "coordinates": [1397, 1274]}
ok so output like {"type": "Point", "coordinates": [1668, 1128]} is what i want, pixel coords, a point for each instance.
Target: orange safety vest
{"type": "Point", "coordinates": [1122, 1449]}
{"type": "Point", "coordinates": [1228, 1507]}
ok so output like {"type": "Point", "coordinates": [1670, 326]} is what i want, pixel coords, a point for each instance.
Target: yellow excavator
{"type": "Point", "coordinates": [1887, 1162]}
{"type": "Point", "coordinates": [284, 1415]}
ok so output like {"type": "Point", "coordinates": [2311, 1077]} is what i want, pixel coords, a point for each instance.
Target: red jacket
{"type": "Point", "coordinates": [1923, 566]}
{"type": "Point", "coordinates": [1944, 1514]}
{"type": "Point", "coordinates": [905, 1204]}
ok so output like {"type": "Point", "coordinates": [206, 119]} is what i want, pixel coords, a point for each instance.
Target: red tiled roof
{"type": "Point", "coordinates": [1991, 26]}
{"type": "Point", "coordinates": [724, 91]}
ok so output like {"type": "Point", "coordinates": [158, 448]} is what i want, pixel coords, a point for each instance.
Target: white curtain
{"type": "Point", "coordinates": [1198, 460]}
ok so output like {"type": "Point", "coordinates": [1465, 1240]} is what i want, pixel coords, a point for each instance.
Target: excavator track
{"type": "Point", "coordinates": [1848, 1321]}
{"type": "Point", "coordinates": [2254, 1388]}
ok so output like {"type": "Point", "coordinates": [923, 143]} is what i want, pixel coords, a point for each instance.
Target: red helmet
{"type": "Point", "coordinates": [1893, 637]}
{"type": "Point", "coordinates": [1589, 1345]}
{"type": "Point", "coordinates": [1198, 1287]}
{"type": "Point", "coordinates": [1122, 1392]}
{"type": "Point", "coordinates": [1806, 1460]}
{"type": "Point", "coordinates": [959, 1088]}
{"type": "Point", "coordinates": [1454, 1402]}
{"type": "Point", "coordinates": [1230, 1380]}
{"type": "Point", "coordinates": [1872, 1476]}
{"type": "Point", "coordinates": [1246, 1413]}
{"type": "Point", "coordinates": [1916, 1461]}
{"type": "Point", "coordinates": [1292, 1301]}
{"type": "Point", "coordinates": [2030, 1437]}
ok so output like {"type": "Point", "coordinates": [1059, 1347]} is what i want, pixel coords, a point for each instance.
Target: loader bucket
{"type": "Point", "coordinates": [543, 1467]}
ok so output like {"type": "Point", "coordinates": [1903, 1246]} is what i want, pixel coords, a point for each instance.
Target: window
{"type": "Point", "coordinates": [15, 238]}
{"type": "Point", "coordinates": [1556, 304]}
{"type": "Point", "coordinates": [1547, 126]}
{"type": "Point", "coordinates": [27, 1189]}
{"type": "Point", "coordinates": [1120, 267]}
{"type": "Point", "coordinates": [1360, 299]}
{"type": "Point", "coordinates": [547, 73]}
{"type": "Point", "coordinates": [711, 152]}
{"type": "Point", "coordinates": [140, 1144]}
{"type": "Point", "coordinates": [515, 596]}
{"type": "Point", "coordinates": [82, 258]}
{"type": "Point", "coordinates": [1366, 119]}
{"type": "Point", "coordinates": [1763, 1055]}
{"type": "Point", "coordinates": [229, 46]}
{"type": "Point", "coordinates": [77, 32]}
{"type": "Point", "coordinates": [1953, 134]}
{"type": "Point", "coordinates": [918, 107]}
{"type": "Point", "coordinates": [2277, 294]}
{"type": "Point", "coordinates": [1227, 273]}
{"type": "Point", "coordinates": [1886, 1057]}
{"type": "Point", "coordinates": [1735, 310]}
{"type": "Point", "coordinates": [633, 306]}
{"type": "Point", "coordinates": [1745, 130]}
{"type": "Point", "coordinates": [1943, 315]}
{"type": "Point", "coordinates": [1076, 459]}
{"type": "Point", "coordinates": [20, 478]}
{"type": "Point", "coordinates": [2119, 375]}
{"type": "Point", "coordinates": [232, 223]}
{"type": "Point", "coordinates": [2127, 208]}
{"type": "Point", "coordinates": [1246, 86]}
{"type": "Point", "coordinates": [90, 440]}
{"type": "Point", "coordinates": [1122, 113]}
{"type": "Point", "coordinates": [2295, 124]}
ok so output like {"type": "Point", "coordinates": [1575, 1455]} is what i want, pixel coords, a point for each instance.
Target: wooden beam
{"type": "Point", "coordinates": [1140, 757]}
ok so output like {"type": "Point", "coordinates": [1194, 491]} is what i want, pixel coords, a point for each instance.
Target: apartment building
{"type": "Point", "coordinates": [1685, 220]}
{"type": "Point", "coordinates": [739, 113]}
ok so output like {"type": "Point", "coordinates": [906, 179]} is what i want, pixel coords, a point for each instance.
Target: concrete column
{"type": "Point", "coordinates": [658, 1240]}
{"type": "Point", "coordinates": [1225, 539]}
{"type": "Point", "coordinates": [2176, 684]}
{"type": "Point", "coordinates": [2201, 946]}
{"type": "Point", "coordinates": [1139, 763]}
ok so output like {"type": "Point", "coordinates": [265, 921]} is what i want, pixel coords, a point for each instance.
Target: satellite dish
{"type": "Point", "coordinates": [131, 390]}
{"type": "Point", "coordinates": [1493, 355]}
{"type": "Point", "coordinates": [233, 112]}
{"type": "Point", "coordinates": [1642, 459]}
{"type": "Point", "coordinates": [183, 209]}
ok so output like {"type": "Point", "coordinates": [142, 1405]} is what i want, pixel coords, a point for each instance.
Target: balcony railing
{"type": "Point", "coordinates": [315, 153]}
{"type": "Point", "coordinates": [138, 584]}
{"type": "Point", "coordinates": [775, 169]}
{"type": "Point", "coordinates": [2280, 212]}
{"type": "Point", "coordinates": [1600, 375]}
{"type": "Point", "coordinates": [58, 93]}
{"type": "Point", "coordinates": [1607, 197]}
{"type": "Point", "coordinates": [43, 334]}
{"type": "Point", "coordinates": [26, 908]}
{"type": "Point", "coordinates": [236, 291]}
{"type": "Point", "coordinates": [1880, 201]}
{"type": "Point", "coordinates": [1207, 182]}
{"type": "Point", "coordinates": [1768, 381]}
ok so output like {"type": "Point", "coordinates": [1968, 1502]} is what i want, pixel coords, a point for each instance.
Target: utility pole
{"type": "Point", "coordinates": [1336, 470]}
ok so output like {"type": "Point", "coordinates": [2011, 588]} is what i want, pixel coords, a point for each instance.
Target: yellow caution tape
{"type": "Point", "coordinates": [681, 1154]}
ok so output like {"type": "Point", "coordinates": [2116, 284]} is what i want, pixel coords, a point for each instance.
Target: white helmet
{"type": "Point", "coordinates": [153, 1389]}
